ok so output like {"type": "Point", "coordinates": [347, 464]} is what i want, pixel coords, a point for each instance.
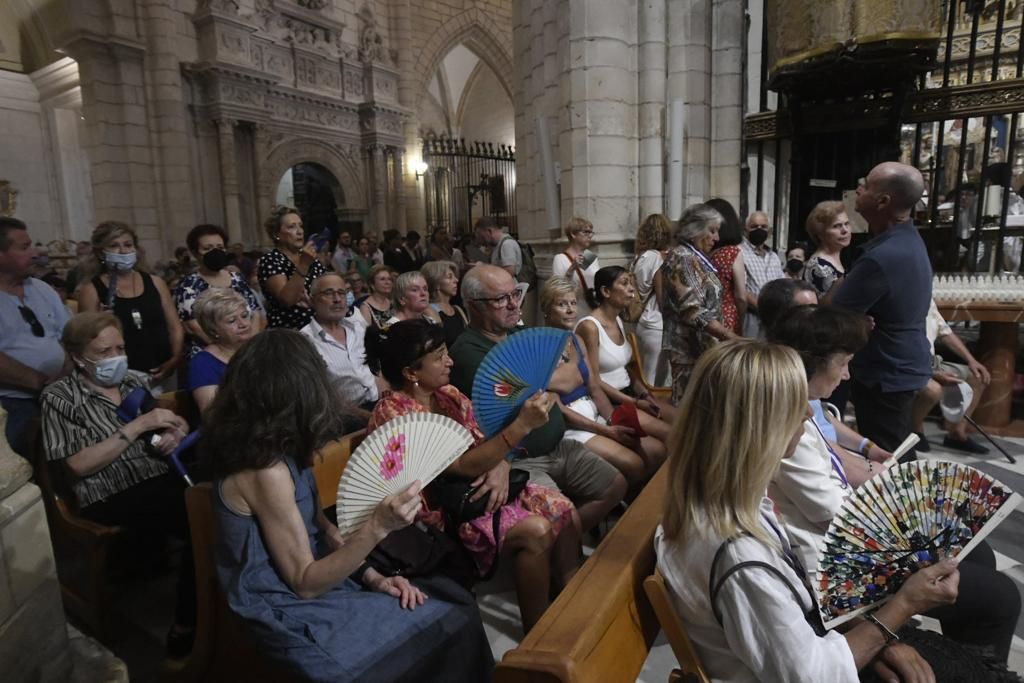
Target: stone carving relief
{"type": "Point", "coordinates": [223, 6]}
{"type": "Point", "coordinates": [353, 81]}
{"type": "Point", "coordinates": [371, 43]}
{"type": "Point", "coordinates": [312, 4]}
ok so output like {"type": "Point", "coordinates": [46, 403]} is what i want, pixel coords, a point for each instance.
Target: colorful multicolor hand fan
{"type": "Point", "coordinates": [897, 522]}
{"type": "Point", "coordinates": [512, 372]}
{"type": "Point", "coordinates": [400, 451]}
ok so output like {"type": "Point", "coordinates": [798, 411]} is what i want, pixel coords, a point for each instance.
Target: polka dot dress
{"type": "Point", "coordinates": [278, 315]}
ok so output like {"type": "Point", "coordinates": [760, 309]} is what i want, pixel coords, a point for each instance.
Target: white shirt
{"type": "Point", "coordinates": [644, 270]}
{"type": "Point", "coordinates": [346, 364]}
{"type": "Point", "coordinates": [764, 635]}
{"type": "Point", "coordinates": [809, 492]}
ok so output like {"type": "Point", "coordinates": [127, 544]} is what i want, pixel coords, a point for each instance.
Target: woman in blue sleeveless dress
{"type": "Point", "coordinates": [308, 597]}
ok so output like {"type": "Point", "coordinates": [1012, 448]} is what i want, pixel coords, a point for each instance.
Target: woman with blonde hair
{"type": "Point", "coordinates": [287, 272]}
{"type": "Point", "coordinates": [412, 299]}
{"type": "Point", "coordinates": [443, 284]}
{"type": "Point", "coordinates": [829, 227]}
{"type": "Point", "coordinates": [577, 261]}
{"type": "Point", "coordinates": [226, 320]}
{"type": "Point", "coordinates": [586, 408]}
{"type": "Point", "coordinates": [652, 241]}
{"type": "Point", "coordinates": [742, 593]}
{"type": "Point", "coordinates": [153, 335]}
{"type": "Point", "coordinates": [379, 307]}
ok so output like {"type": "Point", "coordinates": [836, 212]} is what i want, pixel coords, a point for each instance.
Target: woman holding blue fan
{"type": "Point", "coordinates": [539, 529]}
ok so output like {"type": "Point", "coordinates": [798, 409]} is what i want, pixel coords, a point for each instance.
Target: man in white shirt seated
{"type": "Point", "coordinates": [339, 339]}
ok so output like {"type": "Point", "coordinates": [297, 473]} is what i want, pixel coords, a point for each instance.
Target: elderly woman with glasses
{"type": "Point", "coordinates": [577, 261]}
{"type": "Point", "coordinates": [691, 300]}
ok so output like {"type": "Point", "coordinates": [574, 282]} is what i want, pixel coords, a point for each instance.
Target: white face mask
{"type": "Point", "coordinates": [108, 372]}
{"type": "Point", "coordinates": [122, 263]}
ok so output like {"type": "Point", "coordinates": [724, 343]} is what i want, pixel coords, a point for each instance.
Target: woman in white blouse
{"type": "Point", "coordinates": [652, 240]}
{"type": "Point", "coordinates": [577, 261]}
{"type": "Point", "coordinates": [743, 412]}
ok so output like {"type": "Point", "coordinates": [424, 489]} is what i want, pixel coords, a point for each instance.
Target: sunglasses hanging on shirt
{"type": "Point", "coordinates": [29, 316]}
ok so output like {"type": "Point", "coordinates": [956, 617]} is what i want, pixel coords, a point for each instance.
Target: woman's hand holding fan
{"type": "Point", "coordinates": [396, 511]}
{"type": "Point", "coordinates": [930, 587]}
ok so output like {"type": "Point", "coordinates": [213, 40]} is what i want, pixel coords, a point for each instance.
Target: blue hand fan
{"type": "Point", "coordinates": [512, 372]}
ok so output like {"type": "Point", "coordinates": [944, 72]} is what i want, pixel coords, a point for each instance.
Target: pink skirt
{"type": "Point", "coordinates": [477, 535]}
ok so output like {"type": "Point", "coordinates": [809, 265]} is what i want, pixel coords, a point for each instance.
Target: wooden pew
{"type": "Point", "coordinates": [602, 626]}
{"type": "Point", "coordinates": [638, 367]}
{"type": "Point", "coordinates": [329, 463]}
{"type": "Point", "coordinates": [657, 593]}
{"type": "Point", "coordinates": [223, 650]}
{"type": "Point", "coordinates": [81, 547]}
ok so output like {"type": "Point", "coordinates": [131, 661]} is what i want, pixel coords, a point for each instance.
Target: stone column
{"type": "Point", "coordinates": [377, 173]}
{"type": "Point", "coordinates": [264, 194]}
{"type": "Point", "coordinates": [398, 154]}
{"type": "Point", "coordinates": [167, 121]}
{"type": "Point", "coordinates": [689, 72]}
{"type": "Point", "coordinates": [726, 99]}
{"type": "Point", "coordinates": [598, 144]}
{"type": "Point", "coordinates": [653, 127]}
{"type": "Point", "coordinates": [229, 178]}
{"type": "Point", "coordinates": [33, 633]}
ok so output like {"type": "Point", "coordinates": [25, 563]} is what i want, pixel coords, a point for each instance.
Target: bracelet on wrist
{"type": "Point", "coordinates": [887, 633]}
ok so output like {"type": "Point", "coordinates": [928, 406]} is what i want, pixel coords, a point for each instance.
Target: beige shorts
{"type": "Point", "coordinates": [573, 469]}
{"type": "Point", "coordinates": [956, 369]}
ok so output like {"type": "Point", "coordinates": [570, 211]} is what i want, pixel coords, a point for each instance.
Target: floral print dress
{"type": "Point", "coordinates": [476, 535]}
{"type": "Point", "coordinates": [687, 314]}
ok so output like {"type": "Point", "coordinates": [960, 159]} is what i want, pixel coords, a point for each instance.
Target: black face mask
{"type": "Point", "coordinates": [794, 265]}
{"type": "Point", "coordinates": [215, 259]}
{"type": "Point", "coordinates": [758, 236]}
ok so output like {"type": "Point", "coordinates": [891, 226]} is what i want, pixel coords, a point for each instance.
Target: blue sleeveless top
{"type": "Point", "coordinates": [581, 363]}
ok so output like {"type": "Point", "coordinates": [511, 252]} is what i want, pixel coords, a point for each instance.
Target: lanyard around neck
{"type": "Point", "coordinates": [837, 463]}
{"type": "Point", "coordinates": [704, 259]}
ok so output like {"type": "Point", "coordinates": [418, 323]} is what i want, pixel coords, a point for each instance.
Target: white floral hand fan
{"type": "Point", "coordinates": [897, 522]}
{"type": "Point", "coordinates": [400, 451]}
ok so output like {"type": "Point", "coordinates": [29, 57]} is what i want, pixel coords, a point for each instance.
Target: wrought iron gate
{"type": "Point", "coordinates": [466, 181]}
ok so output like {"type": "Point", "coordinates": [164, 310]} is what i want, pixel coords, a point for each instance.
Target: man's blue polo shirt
{"type": "Point", "coordinates": [892, 282]}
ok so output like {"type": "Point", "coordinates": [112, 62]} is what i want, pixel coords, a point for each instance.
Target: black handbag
{"type": "Point", "coordinates": [453, 494]}
{"type": "Point", "coordinates": [417, 552]}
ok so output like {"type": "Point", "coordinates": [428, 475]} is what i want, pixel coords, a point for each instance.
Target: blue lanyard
{"type": "Point", "coordinates": [837, 463]}
{"type": "Point", "coordinates": [787, 550]}
{"type": "Point", "coordinates": [710, 266]}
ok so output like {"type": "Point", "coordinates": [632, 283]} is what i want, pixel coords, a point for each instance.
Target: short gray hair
{"type": "Point", "coordinates": [695, 221]}
{"type": "Point", "coordinates": [434, 272]}
{"type": "Point", "coordinates": [317, 285]}
{"type": "Point", "coordinates": [472, 289]}
{"type": "Point", "coordinates": [213, 305]}
{"type": "Point", "coordinates": [403, 282]}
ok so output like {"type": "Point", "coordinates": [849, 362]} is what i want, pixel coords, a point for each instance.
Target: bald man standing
{"type": "Point", "coordinates": [892, 283]}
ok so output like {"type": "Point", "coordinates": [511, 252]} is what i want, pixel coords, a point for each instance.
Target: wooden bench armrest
{"type": "Point", "coordinates": [638, 368]}
{"type": "Point", "coordinates": [601, 627]}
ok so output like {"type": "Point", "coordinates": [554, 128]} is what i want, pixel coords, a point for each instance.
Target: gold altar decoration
{"type": "Point", "coordinates": [8, 198]}
{"type": "Point", "coordinates": [802, 31]}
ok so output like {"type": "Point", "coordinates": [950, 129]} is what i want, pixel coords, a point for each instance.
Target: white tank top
{"type": "Point", "coordinates": [612, 358]}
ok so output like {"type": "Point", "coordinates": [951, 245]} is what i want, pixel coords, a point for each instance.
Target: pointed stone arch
{"type": "Point", "coordinates": [478, 32]}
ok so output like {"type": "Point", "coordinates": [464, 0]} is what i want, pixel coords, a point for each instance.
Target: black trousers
{"type": "Point", "coordinates": [987, 606]}
{"type": "Point", "coordinates": [156, 505]}
{"type": "Point", "coordinates": [883, 416]}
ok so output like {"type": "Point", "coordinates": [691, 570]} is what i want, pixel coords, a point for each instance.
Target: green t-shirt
{"type": "Point", "coordinates": [468, 353]}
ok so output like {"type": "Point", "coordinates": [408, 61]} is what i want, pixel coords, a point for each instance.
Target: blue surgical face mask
{"type": "Point", "coordinates": [350, 298]}
{"type": "Point", "coordinates": [108, 372]}
{"type": "Point", "coordinates": [122, 263]}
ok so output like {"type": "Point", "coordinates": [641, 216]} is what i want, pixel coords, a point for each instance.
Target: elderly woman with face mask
{"type": "Point", "coordinates": [142, 302]}
{"type": "Point", "coordinates": [118, 470]}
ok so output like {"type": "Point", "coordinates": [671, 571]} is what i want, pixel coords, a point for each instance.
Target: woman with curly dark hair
{"type": "Point", "coordinates": [309, 598]}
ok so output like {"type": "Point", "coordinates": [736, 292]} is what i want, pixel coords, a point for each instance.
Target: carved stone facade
{"type": "Point", "coordinates": [285, 71]}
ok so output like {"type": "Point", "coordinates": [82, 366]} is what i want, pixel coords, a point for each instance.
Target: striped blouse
{"type": "Point", "coordinates": [76, 417]}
